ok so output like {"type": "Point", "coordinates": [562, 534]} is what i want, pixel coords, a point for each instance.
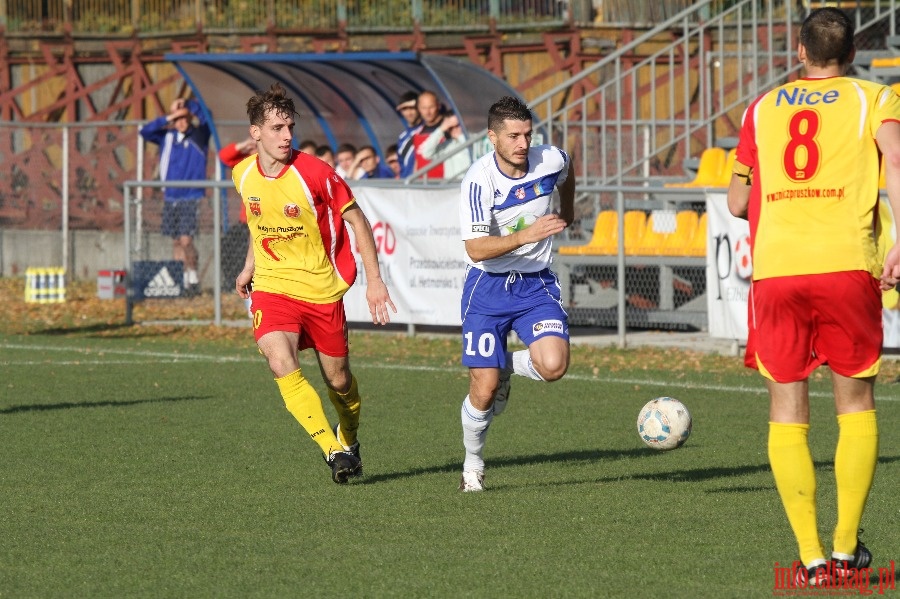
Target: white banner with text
{"type": "Point", "coordinates": [420, 252]}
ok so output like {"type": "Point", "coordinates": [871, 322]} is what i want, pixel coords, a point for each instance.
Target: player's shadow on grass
{"type": "Point", "coordinates": [693, 475]}
{"type": "Point", "coordinates": [539, 458]}
{"type": "Point", "coordinates": [68, 405]}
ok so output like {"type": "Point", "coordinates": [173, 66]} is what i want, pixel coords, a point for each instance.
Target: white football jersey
{"type": "Point", "coordinates": [494, 204]}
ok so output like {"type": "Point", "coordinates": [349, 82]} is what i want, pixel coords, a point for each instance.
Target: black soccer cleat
{"type": "Point", "coordinates": [343, 465]}
{"type": "Point", "coordinates": [816, 576]}
{"type": "Point", "coordinates": [353, 449]}
{"type": "Point", "coordinates": [862, 557]}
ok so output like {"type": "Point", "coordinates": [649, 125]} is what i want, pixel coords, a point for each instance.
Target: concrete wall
{"type": "Point", "coordinates": [89, 252]}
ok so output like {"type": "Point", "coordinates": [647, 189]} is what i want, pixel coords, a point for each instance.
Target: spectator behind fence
{"type": "Point", "coordinates": [406, 150]}
{"type": "Point", "coordinates": [392, 157]}
{"type": "Point", "coordinates": [432, 112]}
{"type": "Point", "coordinates": [344, 160]}
{"type": "Point", "coordinates": [367, 165]}
{"type": "Point", "coordinates": [183, 147]}
{"type": "Point", "coordinates": [308, 146]}
{"type": "Point", "coordinates": [325, 154]}
{"type": "Point", "coordinates": [443, 142]}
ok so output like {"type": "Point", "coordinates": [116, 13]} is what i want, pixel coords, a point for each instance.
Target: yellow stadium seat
{"type": "Point", "coordinates": [604, 231]}
{"type": "Point", "coordinates": [727, 169]}
{"type": "Point", "coordinates": [660, 224]}
{"type": "Point", "coordinates": [709, 170]}
{"type": "Point", "coordinates": [885, 61]}
{"type": "Point", "coordinates": [635, 227]}
{"type": "Point", "coordinates": [635, 223]}
{"type": "Point", "coordinates": [698, 241]}
{"type": "Point", "coordinates": [679, 241]}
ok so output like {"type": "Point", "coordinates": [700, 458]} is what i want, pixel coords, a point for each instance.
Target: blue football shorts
{"type": "Point", "coordinates": [493, 304]}
{"type": "Point", "coordinates": [180, 218]}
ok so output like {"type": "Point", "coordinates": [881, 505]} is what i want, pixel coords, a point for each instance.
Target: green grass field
{"type": "Point", "coordinates": [160, 462]}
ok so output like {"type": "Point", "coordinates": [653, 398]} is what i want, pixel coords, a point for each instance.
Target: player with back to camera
{"type": "Point", "coordinates": [507, 221]}
{"type": "Point", "coordinates": [299, 265]}
{"type": "Point", "coordinates": [806, 178]}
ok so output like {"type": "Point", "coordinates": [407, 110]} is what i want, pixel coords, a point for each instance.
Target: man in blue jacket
{"type": "Point", "coordinates": [183, 148]}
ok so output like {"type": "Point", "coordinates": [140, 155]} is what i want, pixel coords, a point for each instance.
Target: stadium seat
{"type": "Point", "coordinates": [635, 223]}
{"type": "Point", "coordinates": [660, 225]}
{"type": "Point", "coordinates": [698, 241]}
{"type": "Point", "coordinates": [712, 161]}
{"type": "Point", "coordinates": [679, 241]}
{"type": "Point", "coordinates": [727, 168]}
{"type": "Point", "coordinates": [602, 237]}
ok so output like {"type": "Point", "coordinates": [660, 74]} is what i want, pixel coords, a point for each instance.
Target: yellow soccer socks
{"type": "Point", "coordinates": [795, 479]}
{"type": "Point", "coordinates": [304, 404]}
{"type": "Point", "coordinates": [347, 406]}
{"type": "Point", "coordinates": [854, 469]}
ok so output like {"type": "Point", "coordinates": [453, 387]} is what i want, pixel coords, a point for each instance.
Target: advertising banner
{"type": "Point", "coordinates": [728, 282]}
{"type": "Point", "coordinates": [420, 252]}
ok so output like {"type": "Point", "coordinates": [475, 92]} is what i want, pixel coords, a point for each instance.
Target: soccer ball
{"type": "Point", "coordinates": [664, 423]}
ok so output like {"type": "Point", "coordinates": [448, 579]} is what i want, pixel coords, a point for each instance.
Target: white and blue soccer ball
{"type": "Point", "coordinates": [664, 423]}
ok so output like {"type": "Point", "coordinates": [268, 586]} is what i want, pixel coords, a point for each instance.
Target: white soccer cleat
{"type": "Point", "coordinates": [501, 396]}
{"type": "Point", "coordinates": [471, 481]}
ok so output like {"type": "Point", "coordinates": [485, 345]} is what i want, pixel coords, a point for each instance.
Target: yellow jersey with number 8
{"type": "Point", "coordinates": [814, 193]}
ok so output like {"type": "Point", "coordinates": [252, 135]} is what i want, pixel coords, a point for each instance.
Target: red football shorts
{"type": "Point", "coordinates": [322, 327]}
{"type": "Point", "coordinates": [798, 323]}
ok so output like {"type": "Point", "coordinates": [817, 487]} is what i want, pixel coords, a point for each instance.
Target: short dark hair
{"type": "Point", "coordinates": [507, 108]}
{"type": "Point", "coordinates": [323, 149]}
{"type": "Point", "coordinates": [308, 143]}
{"type": "Point", "coordinates": [346, 147]}
{"type": "Point", "coordinates": [827, 35]}
{"type": "Point", "coordinates": [274, 99]}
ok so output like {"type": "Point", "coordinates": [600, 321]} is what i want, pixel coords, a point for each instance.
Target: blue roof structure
{"type": "Point", "coordinates": [340, 98]}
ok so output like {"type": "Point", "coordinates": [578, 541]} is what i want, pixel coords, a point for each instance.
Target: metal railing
{"type": "Point", "coordinates": [126, 17]}
{"type": "Point", "coordinates": [637, 113]}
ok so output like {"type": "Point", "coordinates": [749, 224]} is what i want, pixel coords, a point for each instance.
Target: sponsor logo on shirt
{"type": "Point", "coordinates": [547, 326]}
{"type": "Point", "coordinates": [481, 229]}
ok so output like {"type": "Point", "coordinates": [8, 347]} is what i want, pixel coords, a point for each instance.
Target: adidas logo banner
{"type": "Point", "coordinates": [157, 279]}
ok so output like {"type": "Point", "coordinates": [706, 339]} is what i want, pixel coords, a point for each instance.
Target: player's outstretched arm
{"type": "Point", "coordinates": [377, 295]}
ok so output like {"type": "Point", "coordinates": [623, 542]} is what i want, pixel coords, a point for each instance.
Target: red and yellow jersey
{"type": "Point", "coordinates": [301, 247]}
{"type": "Point", "coordinates": [814, 197]}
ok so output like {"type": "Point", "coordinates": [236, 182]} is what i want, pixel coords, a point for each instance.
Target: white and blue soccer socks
{"type": "Point", "coordinates": [475, 424]}
{"type": "Point", "coordinates": [522, 364]}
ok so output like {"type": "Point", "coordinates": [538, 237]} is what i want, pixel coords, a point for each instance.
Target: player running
{"type": "Point", "coordinates": [299, 265]}
{"type": "Point", "coordinates": [507, 218]}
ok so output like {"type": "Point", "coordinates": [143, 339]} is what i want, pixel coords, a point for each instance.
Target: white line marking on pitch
{"type": "Point", "coordinates": [183, 358]}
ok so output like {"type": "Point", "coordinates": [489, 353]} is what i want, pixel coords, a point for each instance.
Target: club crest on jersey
{"type": "Point", "coordinates": [291, 210]}
{"type": "Point", "coordinates": [254, 204]}
{"type": "Point", "coordinates": [520, 193]}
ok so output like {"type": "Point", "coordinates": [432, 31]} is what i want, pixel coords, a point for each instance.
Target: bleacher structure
{"type": "Point", "coordinates": [632, 124]}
